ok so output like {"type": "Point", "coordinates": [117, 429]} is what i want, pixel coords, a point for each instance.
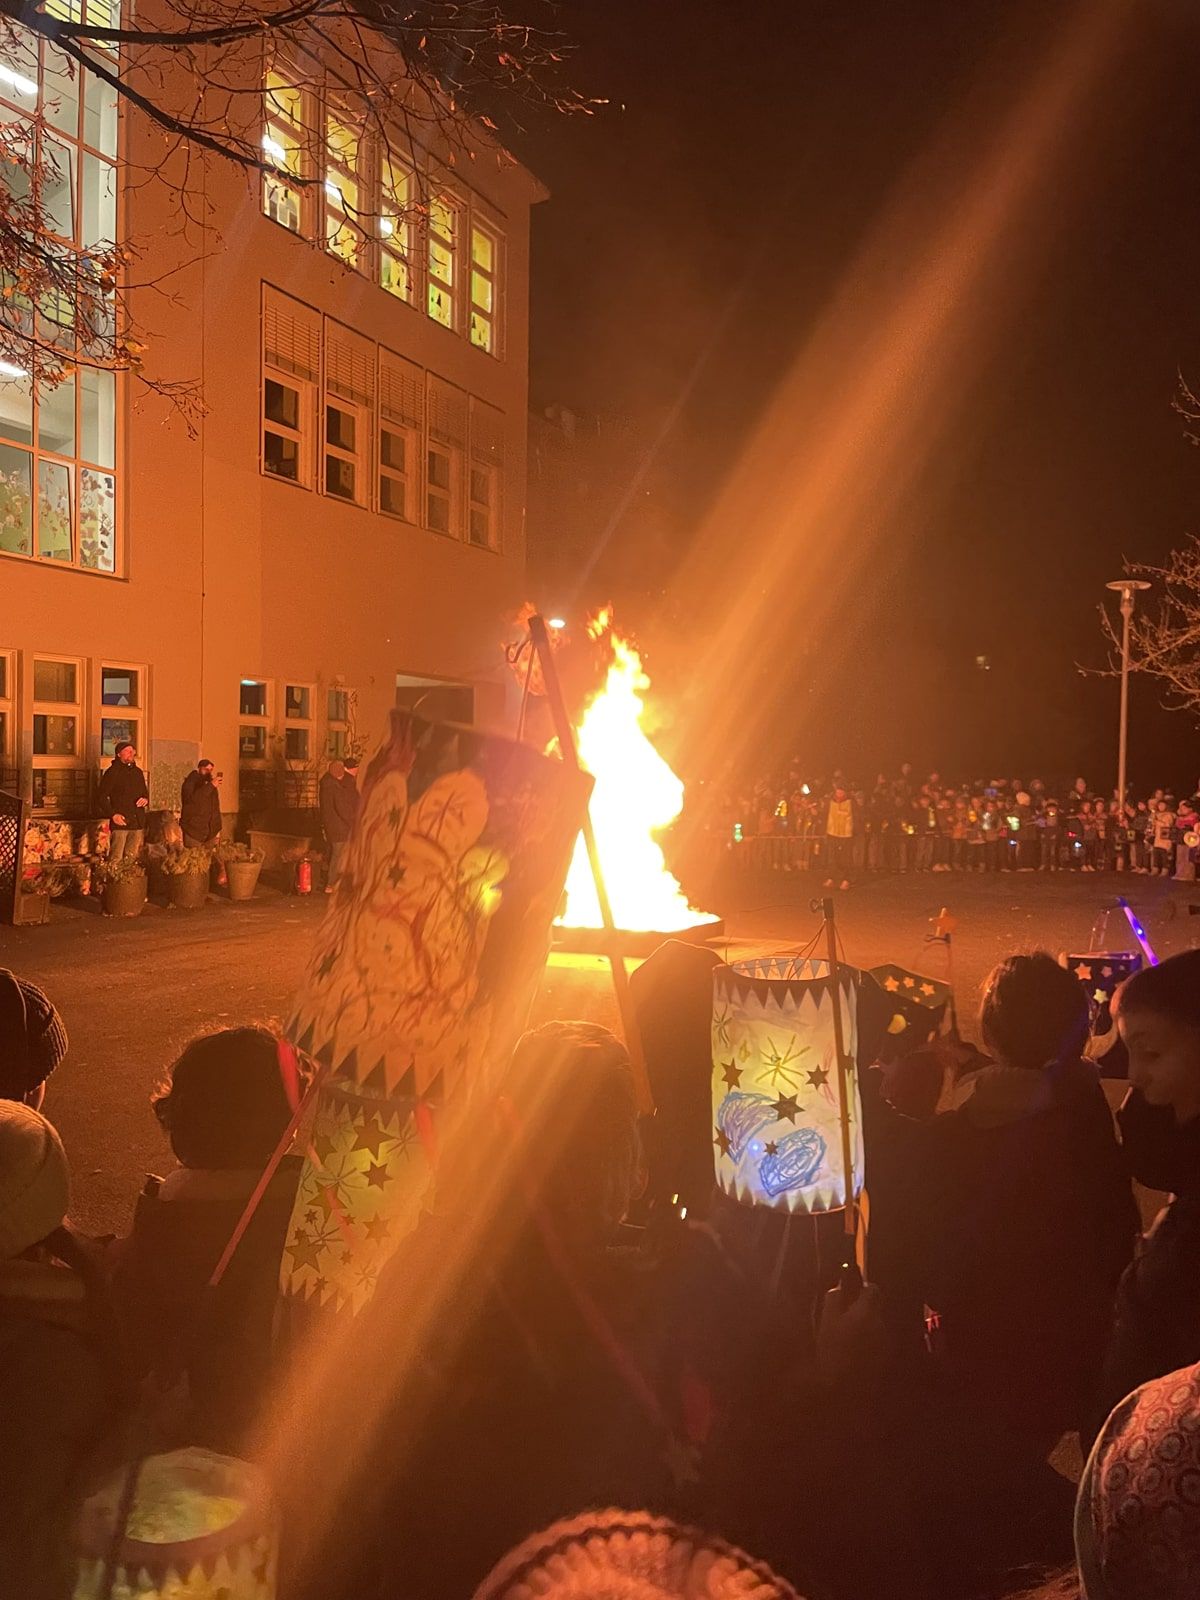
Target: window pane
{"type": "Point", "coordinates": [252, 744]}
{"type": "Point", "coordinates": [338, 705]}
{"type": "Point", "coordinates": [481, 291]}
{"type": "Point", "coordinates": [53, 736]}
{"type": "Point", "coordinates": [439, 470]}
{"type": "Point", "coordinates": [442, 217]}
{"type": "Point", "coordinates": [338, 743]}
{"type": "Point", "coordinates": [58, 189]}
{"type": "Point", "coordinates": [19, 69]}
{"type": "Point", "coordinates": [99, 223]}
{"type": "Point", "coordinates": [3, 734]}
{"type": "Point", "coordinates": [481, 249]}
{"type": "Point", "coordinates": [99, 114]}
{"type": "Point", "coordinates": [281, 403]}
{"type": "Point", "coordinates": [253, 699]}
{"type": "Point", "coordinates": [394, 274]}
{"type": "Point", "coordinates": [339, 478]}
{"type": "Point", "coordinates": [481, 486]}
{"type": "Point", "coordinates": [16, 520]}
{"type": "Point", "coordinates": [391, 450]}
{"type": "Point", "coordinates": [114, 730]}
{"type": "Point", "coordinates": [297, 701]}
{"type": "Point", "coordinates": [60, 92]}
{"type": "Point", "coordinates": [339, 427]}
{"type": "Point", "coordinates": [97, 520]}
{"type": "Point", "coordinates": [55, 682]}
{"type": "Point", "coordinates": [480, 527]}
{"type": "Point", "coordinates": [481, 331]}
{"type": "Point", "coordinates": [3, 677]}
{"type": "Point", "coordinates": [118, 686]}
{"type": "Point", "coordinates": [55, 518]}
{"type": "Point", "coordinates": [98, 413]}
{"type": "Point", "coordinates": [281, 457]}
{"type": "Point", "coordinates": [441, 307]}
{"type": "Point", "coordinates": [56, 417]}
{"type": "Point", "coordinates": [295, 744]}
{"type": "Point", "coordinates": [16, 409]}
{"type": "Point", "coordinates": [392, 497]}
{"type": "Point", "coordinates": [441, 261]}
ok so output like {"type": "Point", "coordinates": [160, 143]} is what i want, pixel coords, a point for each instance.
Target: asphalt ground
{"type": "Point", "coordinates": [133, 992]}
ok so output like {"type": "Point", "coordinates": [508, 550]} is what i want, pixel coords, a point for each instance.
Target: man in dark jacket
{"type": "Point", "coordinates": [124, 799]}
{"type": "Point", "coordinates": [200, 807]}
{"type": "Point", "coordinates": [339, 808]}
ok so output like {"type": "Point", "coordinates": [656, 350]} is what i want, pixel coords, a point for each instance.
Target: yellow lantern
{"type": "Point", "coordinates": [200, 1527]}
{"type": "Point", "coordinates": [776, 1088]}
{"type": "Point", "coordinates": [420, 981]}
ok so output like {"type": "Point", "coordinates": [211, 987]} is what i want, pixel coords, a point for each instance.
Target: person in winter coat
{"type": "Point", "coordinates": [33, 1040]}
{"type": "Point", "coordinates": [200, 807]}
{"type": "Point", "coordinates": [839, 833]}
{"type": "Point", "coordinates": [124, 798]}
{"type": "Point", "coordinates": [224, 1107]}
{"type": "Point", "coordinates": [339, 809]}
{"type": "Point", "coordinates": [62, 1380]}
{"type": "Point", "coordinates": [1157, 1323]}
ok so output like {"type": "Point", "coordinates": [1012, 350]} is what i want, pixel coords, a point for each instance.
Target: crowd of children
{"type": "Point", "coordinates": [905, 824]}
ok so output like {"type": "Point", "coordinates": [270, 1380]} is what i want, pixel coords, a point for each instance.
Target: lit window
{"type": "Point", "coordinates": [344, 432]}
{"type": "Point", "coordinates": [283, 143]}
{"type": "Point", "coordinates": [284, 411]}
{"type": "Point", "coordinates": [485, 270]}
{"type": "Point", "coordinates": [58, 442]}
{"type": "Point", "coordinates": [343, 233]}
{"type": "Point", "coordinates": [443, 242]}
{"type": "Point", "coordinates": [395, 229]}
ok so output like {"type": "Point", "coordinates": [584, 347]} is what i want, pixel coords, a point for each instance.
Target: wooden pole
{"type": "Point", "coordinates": [616, 960]}
{"type": "Point", "coordinates": [843, 1067]}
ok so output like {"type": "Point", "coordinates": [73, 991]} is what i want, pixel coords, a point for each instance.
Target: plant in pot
{"type": "Point", "coordinates": [243, 863]}
{"type": "Point", "coordinates": [123, 887]}
{"type": "Point", "coordinates": [186, 872]}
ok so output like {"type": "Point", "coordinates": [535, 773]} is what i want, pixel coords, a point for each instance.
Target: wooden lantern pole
{"type": "Point", "coordinates": [843, 1068]}
{"type": "Point", "coordinates": [616, 960]}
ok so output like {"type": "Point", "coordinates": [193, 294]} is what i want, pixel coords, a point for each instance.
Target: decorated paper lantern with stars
{"type": "Point", "coordinates": [1101, 972]}
{"type": "Point", "coordinates": [198, 1526]}
{"type": "Point", "coordinates": [776, 1107]}
{"type": "Point", "coordinates": [420, 981]}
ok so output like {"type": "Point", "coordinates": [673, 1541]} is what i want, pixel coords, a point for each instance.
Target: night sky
{"type": "Point", "coordinates": [700, 227]}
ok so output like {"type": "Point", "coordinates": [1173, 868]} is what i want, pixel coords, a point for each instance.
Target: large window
{"type": "Point", "coordinates": [121, 708]}
{"type": "Point", "coordinates": [291, 371]}
{"type": "Point", "coordinates": [7, 722]}
{"type": "Point", "coordinates": [343, 200]}
{"type": "Point", "coordinates": [57, 729]}
{"type": "Point", "coordinates": [58, 433]}
{"type": "Point", "coordinates": [284, 139]}
{"type": "Point", "coordinates": [442, 286]}
{"type": "Point", "coordinates": [396, 228]}
{"type": "Point", "coordinates": [297, 721]}
{"type": "Point", "coordinates": [401, 427]}
{"type": "Point", "coordinates": [254, 712]}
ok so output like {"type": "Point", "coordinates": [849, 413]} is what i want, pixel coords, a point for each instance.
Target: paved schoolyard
{"type": "Point", "coordinates": [134, 992]}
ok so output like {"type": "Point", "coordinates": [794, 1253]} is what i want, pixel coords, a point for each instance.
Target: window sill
{"type": "Point", "coordinates": [61, 566]}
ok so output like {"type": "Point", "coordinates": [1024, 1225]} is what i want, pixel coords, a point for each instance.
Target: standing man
{"type": "Point", "coordinates": [200, 807]}
{"type": "Point", "coordinates": [339, 807]}
{"type": "Point", "coordinates": [124, 799]}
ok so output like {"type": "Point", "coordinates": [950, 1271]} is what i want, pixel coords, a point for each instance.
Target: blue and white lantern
{"type": "Point", "coordinates": [777, 1109]}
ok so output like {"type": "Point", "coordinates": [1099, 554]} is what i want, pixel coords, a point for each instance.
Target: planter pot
{"type": "Point", "coordinates": [187, 890]}
{"type": "Point", "coordinates": [243, 878]}
{"type": "Point", "coordinates": [126, 898]}
{"type": "Point", "coordinates": [31, 909]}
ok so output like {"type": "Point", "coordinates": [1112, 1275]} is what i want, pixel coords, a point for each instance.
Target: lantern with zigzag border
{"type": "Point", "coordinates": [775, 1084]}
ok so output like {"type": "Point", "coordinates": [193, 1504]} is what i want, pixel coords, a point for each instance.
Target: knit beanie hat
{"type": "Point", "coordinates": [34, 1187]}
{"type": "Point", "coordinates": [33, 1039]}
{"type": "Point", "coordinates": [1139, 1501]}
{"type": "Point", "coordinates": [629, 1555]}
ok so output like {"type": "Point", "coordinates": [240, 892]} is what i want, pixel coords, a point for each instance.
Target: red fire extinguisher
{"type": "Point", "coordinates": [304, 876]}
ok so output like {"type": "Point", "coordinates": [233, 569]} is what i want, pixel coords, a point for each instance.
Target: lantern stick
{"type": "Point", "coordinates": [839, 1045]}
{"type": "Point", "coordinates": [616, 961]}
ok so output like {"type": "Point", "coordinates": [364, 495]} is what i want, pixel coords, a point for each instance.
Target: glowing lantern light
{"type": "Point", "coordinates": [419, 983]}
{"type": "Point", "coordinates": [636, 796]}
{"type": "Point", "coordinates": [200, 1527]}
{"type": "Point", "coordinates": [776, 1110]}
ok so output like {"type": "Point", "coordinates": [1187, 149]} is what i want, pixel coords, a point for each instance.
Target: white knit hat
{"type": "Point", "coordinates": [629, 1555]}
{"type": "Point", "coordinates": [34, 1186]}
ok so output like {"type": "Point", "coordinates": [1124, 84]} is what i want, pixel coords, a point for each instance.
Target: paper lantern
{"type": "Point", "coordinates": [420, 980]}
{"type": "Point", "coordinates": [912, 1005]}
{"type": "Point", "coordinates": [200, 1527]}
{"type": "Point", "coordinates": [777, 1115]}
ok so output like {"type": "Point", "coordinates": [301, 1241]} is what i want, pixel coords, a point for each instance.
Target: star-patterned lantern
{"type": "Point", "coordinates": [777, 1111]}
{"type": "Point", "coordinates": [420, 981]}
{"type": "Point", "coordinates": [913, 1006]}
{"type": "Point", "coordinates": [1101, 972]}
{"type": "Point", "coordinates": [200, 1527]}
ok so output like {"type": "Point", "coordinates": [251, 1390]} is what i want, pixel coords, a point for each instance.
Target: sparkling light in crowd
{"type": "Point", "coordinates": [636, 795]}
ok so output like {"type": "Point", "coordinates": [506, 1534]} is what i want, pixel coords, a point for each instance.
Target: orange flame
{"type": "Point", "coordinates": [636, 794]}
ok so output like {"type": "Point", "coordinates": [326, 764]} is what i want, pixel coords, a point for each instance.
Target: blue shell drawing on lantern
{"type": "Point", "coordinates": [741, 1116]}
{"type": "Point", "coordinates": [795, 1163]}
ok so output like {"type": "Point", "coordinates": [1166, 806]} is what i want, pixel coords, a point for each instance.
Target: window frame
{"type": "Point", "coordinates": [402, 228]}
{"type": "Point", "coordinates": [293, 723]}
{"type": "Point", "coordinates": [305, 391]}
{"type": "Point", "coordinates": [450, 242]}
{"type": "Point", "coordinates": [247, 719]}
{"type": "Point", "coordinates": [451, 494]}
{"type": "Point", "coordinates": [58, 708]}
{"type": "Point", "coordinates": [299, 188]}
{"type": "Point", "coordinates": [337, 726]}
{"type": "Point", "coordinates": [358, 458]}
{"type": "Point", "coordinates": [135, 714]}
{"type": "Point", "coordinates": [336, 215]}
{"type": "Point", "coordinates": [409, 479]}
{"type": "Point", "coordinates": [489, 316]}
{"type": "Point", "coordinates": [8, 710]}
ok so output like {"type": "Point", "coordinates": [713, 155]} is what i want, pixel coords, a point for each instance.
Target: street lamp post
{"type": "Point", "coordinates": [1127, 588]}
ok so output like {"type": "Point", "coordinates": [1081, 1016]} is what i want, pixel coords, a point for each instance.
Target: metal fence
{"type": "Point", "coordinates": [63, 792]}
{"type": "Point", "coordinates": [273, 790]}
